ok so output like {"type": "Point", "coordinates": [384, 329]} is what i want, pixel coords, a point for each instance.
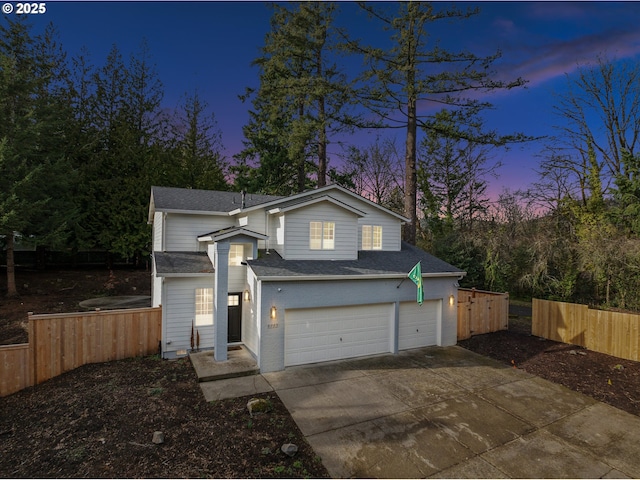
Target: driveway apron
{"type": "Point", "coordinates": [449, 413]}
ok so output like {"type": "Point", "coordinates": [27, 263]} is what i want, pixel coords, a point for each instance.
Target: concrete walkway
{"type": "Point", "coordinates": [449, 413]}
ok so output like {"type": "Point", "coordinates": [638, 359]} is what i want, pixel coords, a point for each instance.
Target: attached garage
{"type": "Point", "coordinates": [418, 324]}
{"type": "Point", "coordinates": [332, 333]}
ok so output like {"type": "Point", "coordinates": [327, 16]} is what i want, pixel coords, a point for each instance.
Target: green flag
{"type": "Point", "coordinates": [416, 277]}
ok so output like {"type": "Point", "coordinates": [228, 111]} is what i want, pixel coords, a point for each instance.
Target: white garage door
{"type": "Point", "coordinates": [418, 324]}
{"type": "Point", "coordinates": [322, 334]}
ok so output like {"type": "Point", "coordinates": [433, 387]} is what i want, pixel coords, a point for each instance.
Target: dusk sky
{"type": "Point", "coordinates": [209, 46]}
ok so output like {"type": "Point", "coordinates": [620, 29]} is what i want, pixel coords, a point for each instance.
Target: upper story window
{"type": "Point", "coordinates": [236, 254]}
{"type": "Point", "coordinates": [322, 235]}
{"type": "Point", "coordinates": [371, 237]}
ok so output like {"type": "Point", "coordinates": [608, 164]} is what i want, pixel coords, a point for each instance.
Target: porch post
{"type": "Point", "coordinates": [220, 299]}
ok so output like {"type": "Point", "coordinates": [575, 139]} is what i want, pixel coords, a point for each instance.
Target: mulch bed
{"type": "Point", "coordinates": [98, 421]}
{"type": "Point", "coordinates": [605, 378]}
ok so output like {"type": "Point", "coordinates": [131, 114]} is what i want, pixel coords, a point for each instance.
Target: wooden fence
{"type": "Point", "coordinates": [61, 342]}
{"type": "Point", "coordinates": [613, 333]}
{"type": "Point", "coordinates": [481, 312]}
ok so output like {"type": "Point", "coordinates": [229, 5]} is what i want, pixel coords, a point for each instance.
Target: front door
{"type": "Point", "coordinates": [234, 329]}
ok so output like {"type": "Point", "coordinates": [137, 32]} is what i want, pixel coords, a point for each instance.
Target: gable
{"type": "Point", "coordinates": [297, 224]}
{"type": "Point", "coordinates": [336, 192]}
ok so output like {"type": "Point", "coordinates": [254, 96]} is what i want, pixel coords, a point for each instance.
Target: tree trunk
{"type": "Point", "coordinates": [322, 141]}
{"type": "Point", "coordinates": [302, 177]}
{"type": "Point", "coordinates": [322, 148]}
{"type": "Point", "coordinates": [12, 291]}
{"type": "Point", "coordinates": [411, 180]}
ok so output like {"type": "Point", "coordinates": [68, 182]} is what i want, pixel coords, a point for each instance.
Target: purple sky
{"type": "Point", "coordinates": [209, 46]}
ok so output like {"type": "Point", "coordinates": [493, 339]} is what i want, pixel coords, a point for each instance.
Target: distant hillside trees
{"type": "Point", "coordinates": [81, 145]}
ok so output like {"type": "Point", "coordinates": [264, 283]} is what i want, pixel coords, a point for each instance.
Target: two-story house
{"type": "Point", "coordinates": [316, 276]}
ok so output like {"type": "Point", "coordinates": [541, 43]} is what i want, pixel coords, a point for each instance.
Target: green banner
{"type": "Point", "coordinates": [416, 277]}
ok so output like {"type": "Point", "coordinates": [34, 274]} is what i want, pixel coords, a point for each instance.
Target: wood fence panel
{"type": "Point", "coordinates": [15, 368]}
{"type": "Point", "coordinates": [613, 333]}
{"type": "Point", "coordinates": [561, 322]}
{"type": "Point", "coordinates": [62, 342]}
{"type": "Point", "coordinates": [464, 328]}
{"type": "Point", "coordinates": [481, 312]}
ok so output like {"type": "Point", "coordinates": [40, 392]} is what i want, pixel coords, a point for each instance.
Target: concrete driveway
{"type": "Point", "coordinates": [449, 413]}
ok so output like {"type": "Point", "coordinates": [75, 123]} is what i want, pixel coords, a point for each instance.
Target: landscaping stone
{"type": "Point", "coordinates": [289, 449]}
{"type": "Point", "coordinates": [258, 405]}
{"type": "Point", "coordinates": [158, 438]}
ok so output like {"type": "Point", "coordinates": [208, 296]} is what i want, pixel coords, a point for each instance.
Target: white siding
{"type": "Point", "coordinates": [276, 233]}
{"type": "Point", "coordinates": [157, 231]}
{"type": "Point", "coordinates": [156, 290]}
{"type": "Point", "coordinates": [179, 314]}
{"type": "Point", "coordinates": [250, 328]}
{"type": "Point", "coordinates": [182, 230]}
{"type": "Point", "coordinates": [254, 221]}
{"type": "Point", "coordinates": [237, 278]}
{"type": "Point", "coordinates": [297, 233]}
{"type": "Point", "coordinates": [391, 226]}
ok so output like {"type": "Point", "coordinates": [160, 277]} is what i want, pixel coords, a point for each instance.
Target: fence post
{"type": "Point", "coordinates": [31, 339]}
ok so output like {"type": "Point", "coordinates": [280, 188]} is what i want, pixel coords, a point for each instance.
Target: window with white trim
{"type": "Point", "coordinates": [322, 235]}
{"type": "Point", "coordinates": [236, 254]}
{"type": "Point", "coordinates": [371, 237]}
{"type": "Point", "coordinates": [204, 306]}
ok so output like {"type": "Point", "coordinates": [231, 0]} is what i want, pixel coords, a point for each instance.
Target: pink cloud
{"type": "Point", "coordinates": [543, 63]}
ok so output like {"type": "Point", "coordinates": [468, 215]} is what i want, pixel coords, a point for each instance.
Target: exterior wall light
{"type": "Point", "coordinates": [452, 300]}
{"type": "Point", "coordinates": [274, 313]}
{"type": "Point", "coordinates": [247, 296]}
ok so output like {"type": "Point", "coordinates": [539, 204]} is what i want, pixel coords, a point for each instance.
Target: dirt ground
{"type": "Point", "coordinates": [59, 291]}
{"type": "Point", "coordinates": [608, 379]}
{"type": "Point", "coordinates": [99, 420]}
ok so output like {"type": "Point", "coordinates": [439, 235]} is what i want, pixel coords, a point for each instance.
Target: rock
{"type": "Point", "coordinates": [289, 449]}
{"type": "Point", "coordinates": [573, 352]}
{"type": "Point", "coordinates": [258, 405]}
{"type": "Point", "coordinates": [158, 438]}
{"type": "Point", "coordinates": [580, 352]}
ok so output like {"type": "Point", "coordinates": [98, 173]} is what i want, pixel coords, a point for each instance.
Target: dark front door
{"type": "Point", "coordinates": [234, 332]}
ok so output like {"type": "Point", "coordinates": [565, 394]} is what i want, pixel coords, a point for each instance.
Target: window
{"type": "Point", "coordinates": [371, 237]}
{"type": "Point", "coordinates": [204, 306]}
{"type": "Point", "coordinates": [236, 254]}
{"type": "Point", "coordinates": [322, 235]}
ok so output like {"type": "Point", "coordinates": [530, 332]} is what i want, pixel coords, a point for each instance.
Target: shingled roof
{"type": "Point", "coordinates": [182, 263]}
{"type": "Point", "coordinates": [369, 262]}
{"type": "Point", "coordinates": [186, 199]}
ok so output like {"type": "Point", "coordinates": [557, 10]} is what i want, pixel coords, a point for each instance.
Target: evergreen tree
{"type": "Point", "coordinates": [125, 113]}
{"type": "Point", "coordinates": [33, 168]}
{"type": "Point", "coordinates": [302, 96]}
{"type": "Point", "coordinates": [196, 147]}
{"type": "Point", "coordinates": [414, 71]}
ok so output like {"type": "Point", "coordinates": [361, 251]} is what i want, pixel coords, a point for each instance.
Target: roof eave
{"type": "Point", "coordinates": [191, 212]}
{"type": "Point", "coordinates": [167, 275]}
{"type": "Point", "coordinates": [380, 276]}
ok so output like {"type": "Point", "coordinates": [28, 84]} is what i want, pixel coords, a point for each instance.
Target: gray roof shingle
{"type": "Point", "coordinates": [169, 198]}
{"type": "Point", "coordinates": [182, 263]}
{"type": "Point", "coordinates": [369, 263]}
